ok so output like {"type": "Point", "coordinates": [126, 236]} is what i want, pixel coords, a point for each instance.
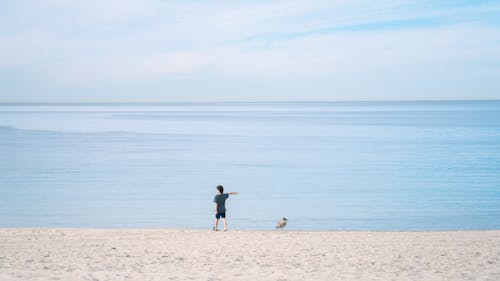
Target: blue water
{"type": "Point", "coordinates": [341, 166]}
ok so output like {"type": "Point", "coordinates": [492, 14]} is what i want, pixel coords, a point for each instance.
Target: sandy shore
{"type": "Point", "coordinates": [158, 254]}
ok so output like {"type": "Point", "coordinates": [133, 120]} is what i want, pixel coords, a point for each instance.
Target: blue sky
{"type": "Point", "coordinates": [136, 51]}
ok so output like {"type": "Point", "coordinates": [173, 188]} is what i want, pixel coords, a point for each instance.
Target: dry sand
{"type": "Point", "coordinates": [165, 254]}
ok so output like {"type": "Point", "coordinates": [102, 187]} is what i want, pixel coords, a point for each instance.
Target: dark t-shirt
{"type": "Point", "coordinates": [220, 199]}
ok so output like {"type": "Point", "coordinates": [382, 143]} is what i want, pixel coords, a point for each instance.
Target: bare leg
{"type": "Point", "coordinates": [225, 224]}
{"type": "Point", "coordinates": [216, 224]}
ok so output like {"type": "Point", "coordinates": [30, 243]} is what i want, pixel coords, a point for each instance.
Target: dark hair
{"type": "Point", "coordinates": [220, 189]}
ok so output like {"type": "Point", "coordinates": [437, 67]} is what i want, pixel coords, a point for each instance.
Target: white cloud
{"type": "Point", "coordinates": [359, 53]}
{"type": "Point", "coordinates": [115, 68]}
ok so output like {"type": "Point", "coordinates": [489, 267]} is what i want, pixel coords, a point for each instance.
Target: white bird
{"type": "Point", "coordinates": [282, 223]}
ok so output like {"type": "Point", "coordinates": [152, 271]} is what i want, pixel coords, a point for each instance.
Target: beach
{"type": "Point", "coordinates": [181, 254]}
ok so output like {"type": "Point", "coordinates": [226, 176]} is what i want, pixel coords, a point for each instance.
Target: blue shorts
{"type": "Point", "coordinates": [220, 215]}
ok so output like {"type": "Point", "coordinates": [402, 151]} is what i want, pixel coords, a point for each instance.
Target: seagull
{"type": "Point", "coordinates": [282, 223]}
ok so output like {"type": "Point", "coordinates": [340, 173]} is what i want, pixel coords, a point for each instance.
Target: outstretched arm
{"type": "Point", "coordinates": [233, 193]}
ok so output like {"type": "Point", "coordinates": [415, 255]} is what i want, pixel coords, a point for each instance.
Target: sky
{"type": "Point", "coordinates": [296, 50]}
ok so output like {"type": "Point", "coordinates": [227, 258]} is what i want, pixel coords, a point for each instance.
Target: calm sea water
{"type": "Point", "coordinates": [342, 166]}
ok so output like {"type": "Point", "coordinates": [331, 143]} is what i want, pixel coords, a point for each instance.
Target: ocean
{"type": "Point", "coordinates": [323, 165]}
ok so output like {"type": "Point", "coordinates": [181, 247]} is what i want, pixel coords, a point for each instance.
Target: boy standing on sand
{"type": "Point", "coordinates": [220, 206]}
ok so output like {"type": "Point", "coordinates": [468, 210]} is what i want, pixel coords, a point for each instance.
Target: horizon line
{"type": "Point", "coordinates": [235, 101]}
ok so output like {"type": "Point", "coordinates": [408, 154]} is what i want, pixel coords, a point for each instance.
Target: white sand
{"type": "Point", "coordinates": [86, 254]}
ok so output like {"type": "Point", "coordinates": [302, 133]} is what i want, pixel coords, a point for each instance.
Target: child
{"type": "Point", "coordinates": [220, 207]}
